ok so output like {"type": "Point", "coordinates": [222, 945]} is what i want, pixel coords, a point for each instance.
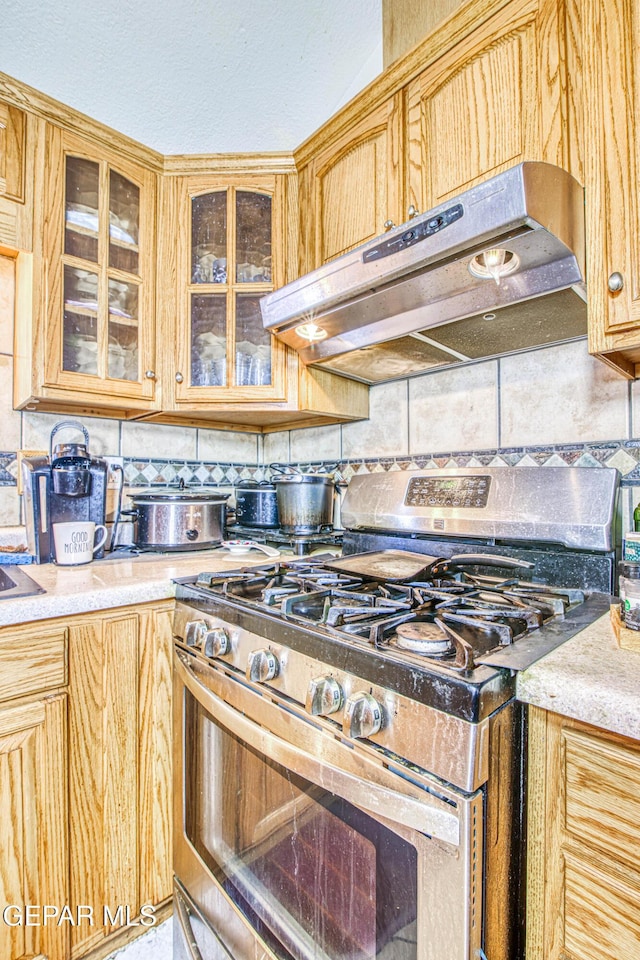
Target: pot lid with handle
{"type": "Point", "coordinates": [292, 474]}
{"type": "Point", "coordinates": [255, 485]}
{"type": "Point", "coordinates": [317, 478]}
{"type": "Point", "coordinates": [177, 495]}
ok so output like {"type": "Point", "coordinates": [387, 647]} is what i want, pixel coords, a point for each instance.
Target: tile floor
{"type": "Point", "coordinates": [157, 944]}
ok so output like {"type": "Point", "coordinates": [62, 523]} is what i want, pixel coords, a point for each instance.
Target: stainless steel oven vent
{"type": "Point", "coordinates": [496, 270]}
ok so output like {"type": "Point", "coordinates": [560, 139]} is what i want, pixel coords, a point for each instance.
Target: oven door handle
{"type": "Point", "coordinates": [422, 814]}
{"type": "Point", "coordinates": [188, 940]}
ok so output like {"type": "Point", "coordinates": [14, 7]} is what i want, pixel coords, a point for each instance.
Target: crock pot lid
{"type": "Point", "coordinates": [166, 494]}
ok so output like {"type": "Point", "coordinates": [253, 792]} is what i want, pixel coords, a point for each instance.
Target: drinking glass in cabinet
{"type": "Point", "coordinates": [209, 238]}
{"type": "Point", "coordinates": [123, 330]}
{"type": "Point", "coordinates": [80, 321]}
{"type": "Point", "coordinates": [81, 208]}
{"type": "Point", "coordinates": [253, 238]}
{"type": "Point", "coordinates": [124, 223]}
{"type": "Point", "coordinates": [208, 340]}
{"type": "Point", "coordinates": [253, 343]}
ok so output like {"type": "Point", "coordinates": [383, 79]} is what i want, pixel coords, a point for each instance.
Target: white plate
{"type": "Point", "coordinates": [238, 547]}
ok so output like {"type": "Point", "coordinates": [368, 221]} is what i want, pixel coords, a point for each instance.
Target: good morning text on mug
{"type": "Point", "coordinates": [74, 541]}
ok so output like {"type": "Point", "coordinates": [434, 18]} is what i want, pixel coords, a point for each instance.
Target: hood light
{"type": "Point", "coordinates": [311, 332]}
{"type": "Point", "coordinates": [494, 264]}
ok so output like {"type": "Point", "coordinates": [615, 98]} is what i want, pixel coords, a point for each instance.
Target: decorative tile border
{"type": "Point", "coordinates": [8, 469]}
{"type": "Point", "coordinates": [148, 473]}
{"type": "Point", "coordinates": [624, 455]}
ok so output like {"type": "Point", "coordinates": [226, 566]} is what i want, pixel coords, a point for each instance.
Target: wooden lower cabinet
{"type": "Point", "coordinates": [85, 780]}
{"type": "Point", "coordinates": [33, 798]}
{"type": "Point", "coordinates": [583, 885]}
{"type": "Point", "coordinates": [33, 854]}
{"type": "Point", "coordinates": [119, 767]}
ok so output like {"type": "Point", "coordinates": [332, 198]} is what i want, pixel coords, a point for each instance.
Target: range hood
{"type": "Point", "coordinates": [496, 270]}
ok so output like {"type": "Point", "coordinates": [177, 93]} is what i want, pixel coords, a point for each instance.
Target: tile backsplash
{"type": "Point", "coordinates": [550, 406]}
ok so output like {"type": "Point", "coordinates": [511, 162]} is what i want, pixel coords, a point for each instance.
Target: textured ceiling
{"type": "Point", "coordinates": [197, 77]}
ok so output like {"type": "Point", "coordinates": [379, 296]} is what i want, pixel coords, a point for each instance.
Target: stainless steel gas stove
{"type": "Point", "coordinates": [349, 752]}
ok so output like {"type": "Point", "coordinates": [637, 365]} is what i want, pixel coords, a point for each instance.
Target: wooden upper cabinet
{"type": "Point", "coordinates": [352, 186]}
{"type": "Point", "coordinates": [97, 301]}
{"type": "Point", "coordinates": [612, 166]}
{"type": "Point", "coordinates": [229, 254]}
{"type": "Point", "coordinates": [493, 100]}
{"type": "Point", "coordinates": [16, 176]}
{"type": "Point", "coordinates": [12, 152]}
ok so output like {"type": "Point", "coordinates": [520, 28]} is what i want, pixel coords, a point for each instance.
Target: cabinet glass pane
{"type": "Point", "coordinates": [253, 342]}
{"type": "Point", "coordinates": [123, 330]}
{"type": "Point", "coordinates": [124, 223]}
{"type": "Point", "coordinates": [80, 321]}
{"type": "Point", "coordinates": [81, 208]}
{"type": "Point", "coordinates": [253, 238]}
{"type": "Point", "coordinates": [209, 340]}
{"type": "Point", "coordinates": [209, 238]}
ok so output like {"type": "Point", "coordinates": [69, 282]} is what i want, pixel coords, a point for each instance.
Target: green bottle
{"type": "Point", "coordinates": [636, 518]}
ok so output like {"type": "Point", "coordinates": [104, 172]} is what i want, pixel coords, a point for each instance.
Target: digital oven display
{"type": "Point", "coordinates": [448, 491]}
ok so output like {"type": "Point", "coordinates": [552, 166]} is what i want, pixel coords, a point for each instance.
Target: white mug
{"type": "Point", "coordinates": [74, 541]}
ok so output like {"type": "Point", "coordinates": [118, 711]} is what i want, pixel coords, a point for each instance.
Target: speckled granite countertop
{"type": "Point", "coordinates": [588, 678]}
{"type": "Point", "coordinates": [103, 584]}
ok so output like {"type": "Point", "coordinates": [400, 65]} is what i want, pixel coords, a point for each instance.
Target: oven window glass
{"type": "Point", "coordinates": [317, 878]}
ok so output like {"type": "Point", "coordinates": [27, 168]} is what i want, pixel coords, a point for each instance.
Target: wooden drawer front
{"type": "Point", "coordinates": [603, 795]}
{"type": "Point", "coordinates": [32, 661]}
{"type": "Point", "coordinates": [602, 920]}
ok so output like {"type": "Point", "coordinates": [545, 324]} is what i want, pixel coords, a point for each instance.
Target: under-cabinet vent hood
{"type": "Point", "coordinates": [496, 270]}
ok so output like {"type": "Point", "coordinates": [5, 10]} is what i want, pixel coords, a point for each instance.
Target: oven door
{"type": "Point", "coordinates": [297, 845]}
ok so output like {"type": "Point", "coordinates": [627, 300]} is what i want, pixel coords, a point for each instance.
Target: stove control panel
{"type": "Point", "coordinates": [448, 491]}
{"type": "Point", "coordinates": [342, 702]}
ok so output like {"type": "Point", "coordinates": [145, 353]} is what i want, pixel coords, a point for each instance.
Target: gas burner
{"type": "Point", "coordinates": [425, 637]}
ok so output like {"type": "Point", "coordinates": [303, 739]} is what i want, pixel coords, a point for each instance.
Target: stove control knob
{"type": "Point", "coordinates": [217, 642]}
{"type": "Point", "coordinates": [262, 666]}
{"type": "Point", "coordinates": [324, 696]}
{"type": "Point", "coordinates": [362, 716]}
{"type": "Point", "coordinates": [194, 632]}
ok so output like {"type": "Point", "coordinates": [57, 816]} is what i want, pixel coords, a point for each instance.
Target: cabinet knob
{"type": "Point", "coordinates": [150, 374]}
{"type": "Point", "coordinates": [412, 212]}
{"type": "Point", "coordinates": [388, 224]}
{"type": "Point", "coordinates": [179, 377]}
{"type": "Point", "coordinates": [616, 282]}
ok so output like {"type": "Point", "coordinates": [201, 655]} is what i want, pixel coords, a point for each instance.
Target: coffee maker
{"type": "Point", "coordinates": [69, 484]}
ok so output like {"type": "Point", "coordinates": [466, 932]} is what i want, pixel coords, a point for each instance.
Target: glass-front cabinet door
{"type": "Point", "coordinates": [228, 260]}
{"type": "Point", "coordinates": [100, 266]}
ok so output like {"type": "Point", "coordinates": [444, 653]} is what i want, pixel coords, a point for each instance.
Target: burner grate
{"type": "Point", "coordinates": [465, 615]}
